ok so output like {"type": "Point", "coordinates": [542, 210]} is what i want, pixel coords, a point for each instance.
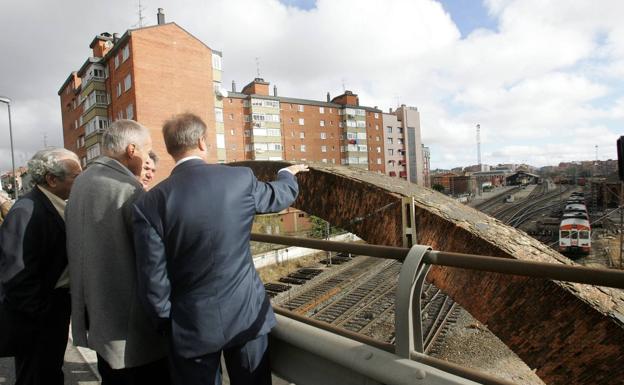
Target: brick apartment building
{"type": "Point", "coordinates": [150, 74]}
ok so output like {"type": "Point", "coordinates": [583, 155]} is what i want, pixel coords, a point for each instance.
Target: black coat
{"type": "Point", "coordinates": [33, 256]}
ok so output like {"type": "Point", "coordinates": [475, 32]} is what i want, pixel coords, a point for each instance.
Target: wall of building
{"type": "Point", "coordinates": [172, 74]}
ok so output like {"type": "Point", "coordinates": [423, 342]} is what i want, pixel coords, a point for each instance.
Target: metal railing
{"type": "Point", "coordinates": [416, 263]}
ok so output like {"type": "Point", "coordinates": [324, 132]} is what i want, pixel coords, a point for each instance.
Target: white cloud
{"type": "Point", "coordinates": [547, 71]}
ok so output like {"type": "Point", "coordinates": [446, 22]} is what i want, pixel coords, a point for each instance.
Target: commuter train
{"type": "Point", "coordinates": [575, 229]}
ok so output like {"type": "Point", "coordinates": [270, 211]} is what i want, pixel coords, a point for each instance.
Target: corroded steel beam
{"type": "Point", "coordinates": [571, 333]}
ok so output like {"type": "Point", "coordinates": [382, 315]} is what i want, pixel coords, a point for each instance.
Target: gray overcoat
{"type": "Point", "coordinates": [106, 313]}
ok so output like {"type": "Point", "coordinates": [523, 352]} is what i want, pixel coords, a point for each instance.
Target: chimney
{"type": "Point", "coordinates": [328, 98]}
{"type": "Point", "coordinates": [390, 109]}
{"type": "Point", "coordinates": [160, 16]}
{"type": "Point", "coordinates": [115, 37]}
{"type": "Point", "coordinates": [274, 90]}
{"type": "Point", "coordinates": [233, 86]}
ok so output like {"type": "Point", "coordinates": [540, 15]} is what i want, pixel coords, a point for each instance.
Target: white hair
{"type": "Point", "coordinates": [122, 133]}
{"type": "Point", "coordinates": [50, 161]}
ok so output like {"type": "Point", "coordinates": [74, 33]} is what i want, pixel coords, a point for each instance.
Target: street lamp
{"type": "Point", "coordinates": [6, 100]}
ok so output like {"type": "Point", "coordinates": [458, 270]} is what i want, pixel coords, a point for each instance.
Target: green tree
{"type": "Point", "coordinates": [438, 187]}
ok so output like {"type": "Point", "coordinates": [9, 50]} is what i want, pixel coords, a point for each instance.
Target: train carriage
{"type": "Point", "coordinates": [574, 236]}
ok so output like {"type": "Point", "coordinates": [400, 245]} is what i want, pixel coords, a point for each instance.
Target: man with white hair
{"type": "Point", "coordinates": [34, 282]}
{"type": "Point", "coordinates": [106, 314]}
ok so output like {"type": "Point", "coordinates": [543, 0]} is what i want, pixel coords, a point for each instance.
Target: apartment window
{"type": "Point", "coordinates": [331, 122]}
{"type": "Point", "coordinates": [400, 130]}
{"type": "Point", "coordinates": [323, 135]}
{"type": "Point", "coordinates": [333, 161]}
{"type": "Point", "coordinates": [247, 133]}
{"type": "Point", "coordinates": [390, 151]}
{"type": "Point", "coordinates": [120, 114]}
{"type": "Point", "coordinates": [231, 132]}
{"type": "Point", "coordinates": [75, 124]}
{"type": "Point", "coordinates": [127, 82]}
{"type": "Point", "coordinates": [302, 135]}
{"type": "Point", "coordinates": [378, 160]}
{"type": "Point", "coordinates": [376, 115]}
{"type": "Point", "coordinates": [292, 120]}
{"type": "Point", "coordinates": [231, 116]}
{"type": "Point", "coordinates": [389, 130]}
{"type": "Point", "coordinates": [377, 138]}
{"type": "Point", "coordinates": [323, 148]}
{"type": "Point", "coordinates": [220, 141]}
{"type": "Point", "coordinates": [130, 111]}
{"type": "Point", "coordinates": [322, 123]}
{"type": "Point", "coordinates": [216, 62]}
{"type": "Point", "coordinates": [342, 148]}
{"type": "Point", "coordinates": [116, 61]}
{"type": "Point", "coordinates": [119, 89]}
{"type": "Point", "coordinates": [340, 124]}
{"type": "Point", "coordinates": [378, 149]}
{"type": "Point", "coordinates": [324, 160]}
{"type": "Point", "coordinates": [361, 135]}
{"type": "Point", "coordinates": [219, 115]}
{"type": "Point", "coordinates": [321, 110]}
{"type": "Point", "coordinates": [377, 127]}
{"type": "Point", "coordinates": [80, 141]}
{"type": "Point", "coordinates": [300, 108]}
{"type": "Point", "coordinates": [125, 53]}
{"type": "Point", "coordinates": [399, 141]}
{"type": "Point", "coordinates": [93, 151]}
{"type": "Point", "coordinates": [390, 141]}
{"type": "Point", "coordinates": [83, 161]}
{"type": "Point", "coordinates": [362, 147]}
{"type": "Point", "coordinates": [301, 121]}
{"type": "Point", "coordinates": [303, 148]}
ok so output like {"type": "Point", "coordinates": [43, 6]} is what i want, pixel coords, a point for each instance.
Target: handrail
{"type": "Point", "coordinates": [446, 366]}
{"type": "Point", "coordinates": [560, 272]}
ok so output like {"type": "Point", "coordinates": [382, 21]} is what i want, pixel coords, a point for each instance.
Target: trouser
{"type": "Point", "coordinates": [154, 373]}
{"type": "Point", "coordinates": [247, 364]}
{"type": "Point", "coordinates": [43, 363]}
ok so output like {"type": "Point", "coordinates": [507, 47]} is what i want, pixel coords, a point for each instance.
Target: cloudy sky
{"type": "Point", "coordinates": [544, 79]}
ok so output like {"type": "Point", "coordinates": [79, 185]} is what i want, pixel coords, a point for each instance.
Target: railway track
{"type": "Point", "coordinates": [360, 297]}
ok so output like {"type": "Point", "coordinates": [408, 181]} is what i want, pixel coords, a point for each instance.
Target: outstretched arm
{"type": "Point", "coordinates": [279, 194]}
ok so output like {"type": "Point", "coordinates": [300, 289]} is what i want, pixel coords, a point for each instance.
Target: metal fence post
{"type": "Point", "coordinates": [407, 320]}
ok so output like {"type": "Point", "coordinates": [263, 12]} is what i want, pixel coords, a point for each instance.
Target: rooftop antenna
{"type": "Point", "coordinates": [343, 85]}
{"type": "Point", "coordinates": [140, 13]}
{"type": "Point", "coordinates": [258, 66]}
{"type": "Point", "coordinates": [596, 147]}
{"type": "Point", "coordinates": [479, 146]}
{"type": "Point", "coordinates": [45, 140]}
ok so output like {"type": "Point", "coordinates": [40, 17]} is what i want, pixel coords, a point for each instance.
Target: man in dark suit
{"type": "Point", "coordinates": [196, 274]}
{"type": "Point", "coordinates": [34, 282]}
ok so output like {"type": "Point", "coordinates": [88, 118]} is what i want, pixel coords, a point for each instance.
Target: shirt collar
{"type": "Point", "coordinates": [57, 202]}
{"type": "Point", "coordinates": [179, 162]}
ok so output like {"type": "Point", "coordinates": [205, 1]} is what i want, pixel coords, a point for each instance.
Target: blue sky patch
{"type": "Point", "coordinates": [301, 4]}
{"type": "Point", "coordinates": [469, 15]}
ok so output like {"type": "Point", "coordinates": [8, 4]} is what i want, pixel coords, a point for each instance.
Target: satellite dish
{"type": "Point", "coordinates": [221, 92]}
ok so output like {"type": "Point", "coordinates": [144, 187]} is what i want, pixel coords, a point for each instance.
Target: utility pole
{"type": "Point", "coordinates": [258, 66]}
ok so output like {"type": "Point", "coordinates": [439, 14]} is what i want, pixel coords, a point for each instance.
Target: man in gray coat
{"type": "Point", "coordinates": [106, 313]}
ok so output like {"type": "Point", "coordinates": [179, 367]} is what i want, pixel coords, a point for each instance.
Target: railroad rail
{"type": "Point", "coordinates": [416, 262]}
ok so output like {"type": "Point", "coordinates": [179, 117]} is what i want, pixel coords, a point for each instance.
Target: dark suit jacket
{"type": "Point", "coordinates": [192, 243]}
{"type": "Point", "coordinates": [32, 257]}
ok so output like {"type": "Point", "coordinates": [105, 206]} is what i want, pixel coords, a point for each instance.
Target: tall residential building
{"type": "Point", "coordinates": [406, 156]}
{"type": "Point", "coordinates": [336, 131]}
{"type": "Point", "coordinates": [148, 74]}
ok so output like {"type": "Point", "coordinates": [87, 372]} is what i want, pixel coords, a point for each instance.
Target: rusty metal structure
{"type": "Point", "coordinates": [571, 333]}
